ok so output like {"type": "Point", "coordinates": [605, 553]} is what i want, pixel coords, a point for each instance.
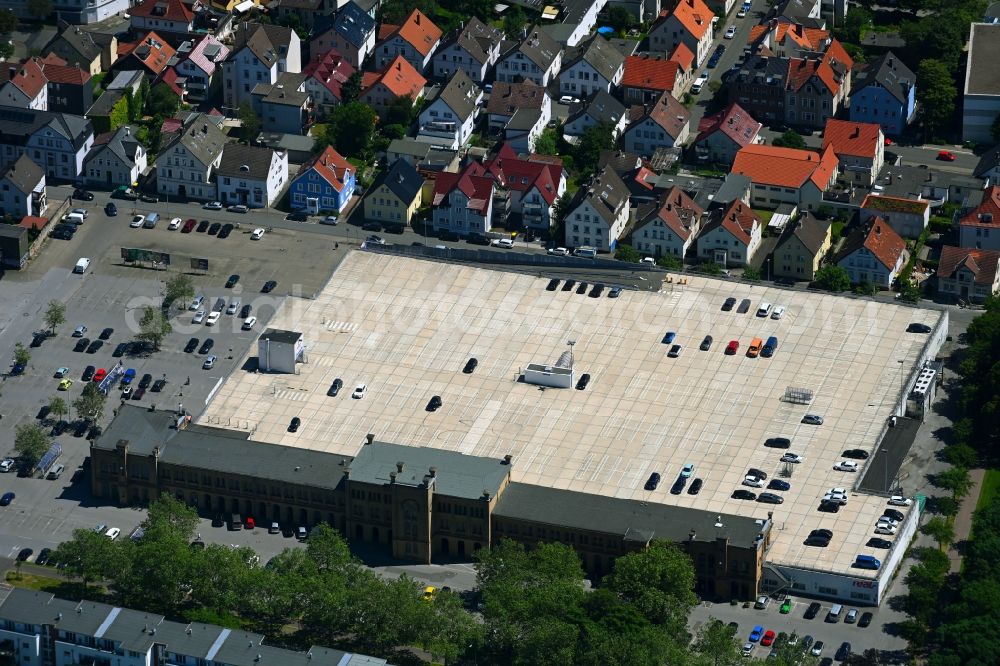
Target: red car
{"type": "Point", "coordinates": [189, 225]}
{"type": "Point", "coordinates": [946, 155]}
{"type": "Point", "coordinates": [732, 347]}
{"type": "Point", "coordinates": [249, 523]}
{"type": "Point", "coordinates": [100, 374]}
{"type": "Point", "coordinates": [768, 638]}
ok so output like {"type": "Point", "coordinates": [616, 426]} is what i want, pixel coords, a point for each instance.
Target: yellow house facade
{"type": "Point", "coordinates": [395, 196]}
{"type": "Point", "coordinates": [801, 248]}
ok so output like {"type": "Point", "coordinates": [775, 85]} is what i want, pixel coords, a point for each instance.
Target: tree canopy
{"type": "Point", "coordinates": [153, 326]}
{"type": "Point", "coordinates": [30, 443]}
{"type": "Point", "coordinates": [833, 278]}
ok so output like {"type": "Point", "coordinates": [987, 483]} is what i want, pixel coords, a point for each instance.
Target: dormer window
{"type": "Point", "coordinates": [245, 168]}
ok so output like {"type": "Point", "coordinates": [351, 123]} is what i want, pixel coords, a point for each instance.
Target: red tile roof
{"type": "Point", "coordinates": [990, 206]}
{"type": "Point", "coordinates": [152, 51]}
{"type": "Point", "coordinates": [65, 74]}
{"type": "Point", "coordinates": [811, 39]}
{"type": "Point", "coordinates": [29, 221]}
{"type": "Point", "coordinates": [679, 212]}
{"type": "Point", "coordinates": [331, 165]}
{"type": "Point", "coordinates": [399, 77]}
{"type": "Point", "coordinates": [651, 72]}
{"type": "Point", "coordinates": [53, 59]}
{"type": "Point", "coordinates": [879, 239]}
{"type": "Point", "coordinates": [695, 16]}
{"type": "Point", "coordinates": [739, 220]}
{"type": "Point", "coordinates": [785, 167]}
{"type": "Point", "coordinates": [981, 263]}
{"type": "Point", "coordinates": [886, 204]}
{"type": "Point", "coordinates": [165, 10]}
{"type": "Point", "coordinates": [420, 32]}
{"type": "Point", "coordinates": [331, 69]}
{"type": "Point", "coordinates": [683, 56]}
{"type": "Point", "coordinates": [170, 77]}
{"type": "Point", "coordinates": [523, 174]}
{"type": "Point", "coordinates": [27, 76]}
{"type": "Point", "coordinates": [734, 122]}
{"type": "Point", "coordinates": [474, 183]}
{"type": "Point", "coordinates": [852, 138]}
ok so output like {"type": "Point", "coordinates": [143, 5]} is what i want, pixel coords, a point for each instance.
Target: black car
{"type": "Point", "coordinates": [80, 428]}
{"type": "Point", "coordinates": [477, 239]}
{"type": "Point", "coordinates": [553, 285]}
{"type": "Point", "coordinates": [95, 346]}
{"type": "Point", "coordinates": [60, 427]}
{"type": "Point", "coordinates": [824, 533]}
{"type": "Point", "coordinates": [245, 312]}
{"type": "Point", "coordinates": [568, 286]}
{"type": "Point", "coordinates": [817, 541]}
{"type": "Point", "coordinates": [744, 306]}
{"type": "Point", "coordinates": [583, 381]}
{"type": "Point", "coordinates": [470, 366]}
{"type": "Point", "coordinates": [297, 216]}
{"type": "Point", "coordinates": [94, 432]}
{"type": "Point", "coordinates": [120, 350]}
{"type": "Point", "coordinates": [158, 385]}
{"type": "Point", "coordinates": [895, 515]}
{"type": "Point", "coordinates": [106, 334]}
{"type": "Point", "coordinates": [653, 481]}
{"type": "Point", "coordinates": [25, 554]}
{"type": "Point", "coordinates": [695, 487]}
{"type": "Point", "coordinates": [268, 287]}
{"type": "Point", "coordinates": [37, 339]}
{"type": "Point", "coordinates": [778, 443]}
{"type": "Point", "coordinates": [88, 373]}
{"type": "Point", "coordinates": [191, 345]}
{"type": "Point", "coordinates": [597, 290]}
{"type": "Point", "coordinates": [138, 393]}
{"type": "Point", "coordinates": [875, 542]}
{"type": "Point", "coordinates": [434, 404]}
{"type": "Point", "coordinates": [43, 412]}
{"type": "Point", "coordinates": [678, 486]}
{"type": "Point", "coordinates": [706, 344]}
{"type": "Point", "coordinates": [83, 195]}
{"type": "Point", "coordinates": [865, 620]}
{"type": "Point", "coordinates": [843, 652]}
{"type": "Point", "coordinates": [759, 473]}
{"type": "Point", "coordinates": [829, 507]}
{"type": "Point", "coordinates": [335, 387]}
{"type": "Point", "coordinates": [615, 292]}
{"type": "Point", "coordinates": [226, 230]}
{"type": "Point", "coordinates": [62, 234]}
{"type": "Point", "coordinates": [582, 289]}
{"type": "Point", "coordinates": [146, 380]}
{"type": "Point", "coordinates": [448, 236]}
{"type": "Point", "coordinates": [857, 454]}
{"type": "Point", "coordinates": [293, 425]}
{"type": "Point", "coordinates": [111, 210]}
{"type": "Point", "coordinates": [45, 553]}
{"type": "Point", "coordinates": [371, 226]}
{"type": "Point", "coordinates": [231, 282]}
{"type": "Point", "coordinates": [812, 611]}
{"type": "Point", "coordinates": [203, 226]}
{"type": "Point", "coordinates": [778, 484]}
{"type": "Point", "coordinates": [214, 229]}
{"type": "Point", "coordinates": [218, 521]}
{"type": "Point", "coordinates": [149, 198]}
{"type": "Point", "coordinates": [206, 346]}
{"type": "Point", "coordinates": [81, 344]}
{"type": "Point", "coordinates": [918, 328]}
{"type": "Point", "coordinates": [770, 498]}
{"type": "Point", "coordinates": [741, 494]}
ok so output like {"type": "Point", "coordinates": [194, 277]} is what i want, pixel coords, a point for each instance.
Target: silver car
{"type": "Point", "coordinates": [209, 362]}
{"type": "Point", "coordinates": [813, 419]}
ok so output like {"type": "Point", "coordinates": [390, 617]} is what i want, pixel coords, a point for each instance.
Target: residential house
{"type": "Point", "coordinates": [600, 108]}
{"type": "Point", "coordinates": [250, 175]}
{"type": "Point", "coordinates": [415, 40]}
{"type": "Point", "coordinates": [646, 78]}
{"type": "Point", "coordinates": [873, 253]}
{"type": "Point", "coordinates": [22, 189]}
{"type": "Point", "coordinates": [325, 76]}
{"type": "Point", "coordinates": [664, 124]}
{"type": "Point", "coordinates": [787, 40]}
{"type": "Point", "coordinates": [758, 86]}
{"type": "Point", "coordinates": [670, 227]}
{"type": "Point", "coordinates": [801, 247]}
{"type": "Point", "coordinates": [593, 65]}
{"type": "Point", "coordinates": [598, 214]}
{"type": "Point", "coordinates": [968, 274]}
{"type": "Point", "coordinates": [324, 183]}
{"type": "Point", "coordinates": [162, 16]}
{"type": "Point", "coordinates": [731, 236]}
{"type": "Point", "coordinates": [352, 32]}
{"type": "Point", "coordinates": [395, 196]}
{"type": "Point", "coordinates": [786, 175]}
{"type": "Point", "coordinates": [907, 217]}
{"type": "Point", "coordinates": [988, 167]}
{"type": "Point", "coordinates": [70, 89]}
{"type": "Point", "coordinates": [860, 147]}
{"type": "Point", "coordinates": [798, 11]}
{"type": "Point", "coordinates": [520, 111]}
{"type": "Point", "coordinates": [57, 142]}
{"type": "Point", "coordinates": [450, 118]}
{"type": "Point", "coordinates": [526, 186]}
{"type": "Point", "coordinates": [198, 68]}
{"type": "Point", "coordinates": [537, 58]}
{"type": "Point", "coordinates": [885, 92]}
{"type": "Point", "coordinates": [817, 88]}
{"type": "Point", "coordinates": [398, 79]}
{"type": "Point", "coordinates": [77, 47]}
{"type": "Point", "coordinates": [981, 92]}
{"type": "Point", "coordinates": [302, 13]}
{"type": "Point", "coordinates": [980, 228]}
{"type": "Point", "coordinates": [260, 53]}
{"type": "Point", "coordinates": [116, 158]}
{"type": "Point", "coordinates": [283, 106]}
{"type": "Point", "coordinates": [686, 66]}
{"type": "Point", "coordinates": [188, 159]}
{"type": "Point", "coordinates": [300, 148]}
{"type": "Point", "coordinates": [723, 134]}
{"type": "Point", "coordinates": [474, 49]}
{"type": "Point", "coordinates": [109, 112]}
{"type": "Point", "coordinates": [689, 23]}
{"type": "Point", "coordinates": [424, 157]}
{"type": "Point", "coordinates": [463, 202]}
{"type": "Point", "coordinates": [150, 54]}
{"type": "Point", "coordinates": [24, 85]}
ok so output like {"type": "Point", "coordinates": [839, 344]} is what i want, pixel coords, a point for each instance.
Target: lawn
{"type": "Point", "coordinates": [764, 215]}
{"type": "Point", "coordinates": [990, 488]}
{"type": "Point", "coordinates": [60, 588]}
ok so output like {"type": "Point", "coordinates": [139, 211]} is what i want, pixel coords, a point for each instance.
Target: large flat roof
{"type": "Point", "coordinates": [406, 327]}
{"type": "Point", "coordinates": [983, 76]}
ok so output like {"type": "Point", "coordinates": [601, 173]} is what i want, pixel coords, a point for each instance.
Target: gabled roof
{"type": "Point", "coordinates": [885, 204]}
{"type": "Point", "coordinates": [460, 94]}
{"type": "Point", "coordinates": [537, 47]}
{"type": "Point", "coordinates": [522, 174]}
{"type": "Point", "coordinates": [285, 91]}
{"type": "Point", "coordinates": [80, 42]}
{"type": "Point", "coordinates": [809, 230]}
{"type": "Point", "coordinates": [354, 24]}
{"type": "Point", "coordinates": [401, 179]}
{"type": "Point", "coordinates": [199, 136]}
{"type": "Point", "coordinates": [472, 181]}
{"type": "Point", "coordinates": [737, 218]}
{"type": "Point", "coordinates": [165, 10]}
{"type": "Point", "coordinates": [878, 238]}
{"type": "Point", "coordinates": [683, 56]}
{"type": "Point", "coordinates": [65, 74]}
{"type": "Point", "coordinates": [477, 38]}
{"type": "Point", "coordinates": [331, 69]}
{"type": "Point", "coordinates": [852, 138]}
{"type": "Point", "coordinates": [331, 166]}
{"type": "Point", "coordinates": [507, 98]}
{"type": "Point", "coordinates": [650, 72]}
{"type": "Point", "coordinates": [207, 53]}
{"type": "Point", "coordinates": [981, 263]}
{"type": "Point", "coordinates": [763, 70]}
{"type": "Point", "coordinates": [27, 76]}
{"type": "Point", "coordinates": [419, 32]}
{"type": "Point", "coordinates": [602, 107]}
{"type": "Point", "coordinates": [250, 162]}
{"type": "Point", "coordinates": [989, 161]}
{"type": "Point", "coordinates": [17, 125]}
{"type": "Point", "coordinates": [266, 41]}
{"type": "Point", "coordinates": [606, 193]}
{"type": "Point", "coordinates": [693, 15]}
{"type": "Point", "coordinates": [887, 72]}
{"type": "Point", "coordinates": [807, 39]}
{"type": "Point", "coordinates": [734, 122]}
{"type": "Point", "coordinates": [796, 8]}
{"type": "Point", "coordinates": [23, 174]}
{"type": "Point", "coordinates": [152, 51]}
{"type": "Point", "coordinates": [987, 213]}
{"type": "Point", "coordinates": [668, 113]}
{"type": "Point", "coordinates": [785, 167]}
{"type": "Point", "coordinates": [597, 52]}
{"type": "Point", "coordinates": [171, 78]}
{"type": "Point", "coordinates": [677, 211]}
{"type": "Point", "coordinates": [399, 77]}
{"type": "Point", "coordinates": [121, 143]}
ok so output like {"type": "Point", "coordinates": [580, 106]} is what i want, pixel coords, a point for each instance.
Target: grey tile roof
{"type": "Point", "coordinates": [602, 107]}
{"type": "Point", "coordinates": [105, 104]}
{"type": "Point", "coordinates": [410, 147]}
{"type": "Point", "coordinates": [456, 474]}
{"type": "Point", "coordinates": [354, 24]}
{"type": "Point", "coordinates": [202, 137]}
{"type": "Point", "coordinates": [285, 91]}
{"type": "Point", "coordinates": [606, 194]}
{"type": "Point", "coordinates": [630, 519]}
{"type": "Point", "coordinates": [599, 53]}
{"type": "Point", "coordinates": [282, 141]}
{"type": "Point", "coordinates": [18, 125]}
{"type": "Point", "coordinates": [537, 47]}
{"type": "Point", "coordinates": [39, 608]}
{"type": "Point", "coordinates": [477, 38]}
{"type": "Point", "coordinates": [194, 640]}
{"type": "Point", "coordinates": [989, 160]}
{"type": "Point", "coordinates": [267, 42]}
{"type": "Point", "coordinates": [460, 94]}
{"type": "Point", "coordinates": [24, 174]}
{"type": "Point", "coordinates": [809, 230]}
{"type": "Point", "coordinates": [734, 187]}
{"type": "Point", "coordinates": [887, 72]}
{"type": "Point", "coordinates": [133, 629]}
{"type": "Point", "coordinates": [74, 41]}
{"type": "Point", "coordinates": [122, 145]}
{"type": "Point", "coordinates": [402, 180]}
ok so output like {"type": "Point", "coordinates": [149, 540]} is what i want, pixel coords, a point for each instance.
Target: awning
{"type": "Point", "coordinates": [243, 7]}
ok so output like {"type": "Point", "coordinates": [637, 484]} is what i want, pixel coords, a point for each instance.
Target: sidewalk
{"type": "Point", "coordinates": [963, 521]}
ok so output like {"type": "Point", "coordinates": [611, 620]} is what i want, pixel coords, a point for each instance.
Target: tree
{"type": "Point", "coordinates": [627, 253]}
{"type": "Point", "coordinates": [401, 111]}
{"type": "Point", "coordinates": [790, 139]}
{"type": "Point", "coordinates": [30, 443]}
{"type": "Point", "coordinates": [936, 95]}
{"type": "Point", "coordinates": [39, 9]}
{"type": "Point", "coordinates": [955, 479]}
{"type": "Point", "coordinates": [659, 581]}
{"type": "Point", "coordinates": [833, 278]}
{"type": "Point", "coordinates": [451, 629]}
{"type": "Point", "coordinates": [514, 22]}
{"type": "Point", "coordinates": [55, 315]}
{"type": "Point", "coordinates": [709, 268]}
{"type": "Point", "coordinates": [248, 121]}
{"type": "Point", "coordinates": [620, 19]}
{"type": "Point", "coordinates": [58, 406]}
{"type": "Point", "coordinates": [547, 143]}
{"type": "Point", "coordinates": [90, 405]}
{"type": "Point", "coordinates": [961, 455]}
{"type": "Point", "coordinates": [179, 288]}
{"type": "Point", "coordinates": [21, 354]}
{"type": "Point", "coordinates": [716, 642]}
{"type": "Point", "coordinates": [560, 208]}
{"type": "Point", "coordinates": [670, 262]}
{"type": "Point", "coordinates": [153, 326]}
{"type": "Point", "coordinates": [752, 274]}
{"type": "Point", "coordinates": [6, 50]}
{"type": "Point", "coordinates": [89, 555]}
{"type": "Point", "coordinates": [588, 151]}
{"type": "Point", "coordinates": [351, 89]}
{"type": "Point", "coordinates": [8, 21]}
{"type": "Point", "coordinates": [163, 101]}
{"type": "Point", "coordinates": [941, 530]}
{"type": "Point", "coordinates": [351, 129]}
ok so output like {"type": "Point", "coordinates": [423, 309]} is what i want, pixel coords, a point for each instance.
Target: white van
{"type": "Point", "coordinates": [74, 218]}
{"type": "Point", "coordinates": [834, 614]}
{"type": "Point", "coordinates": [82, 264]}
{"type": "Point", "coordinates": [586, 252]}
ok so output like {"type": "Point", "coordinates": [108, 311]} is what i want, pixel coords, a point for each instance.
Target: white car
{"type": "Point", "coordinates": [886, 520]}
{"type": "Point", "coordinates": [846, 466]}
{"type": "Point", "coordinates": [730, 32]}
{"type": "Point", "coordinates": [836, 498]}
{"type": "Point", "coordinates": [742, 13]}
{"type": "Point", "coordinates": [112, 533]}
{"type": "Point", "coordinates": [885, 528]}
{"type": "Point", "coordinates": [753, 482]}
{"type": "Point", "coordinates": [899, 500]}
{"type": "Point", "coordinates": [329, 219]}
{"type": "Point", "coordinates": [502, 242]}
{"type": "Point", "coordinates": [7, 465]}
{"type": "Point", "coordinates": [199, 317]}
{"type": "Point", "coordinates": [257, 234]}
{"type": "Point", "coordinates": [748, 649]}
{"type": "Point", "coordinates": [137, 221]}
{"type": "Point", "coordinates": [213, 205]}
{"type": "Point", "coordinates": [81, 212]}
{"type": "Point", "coordinates": [648, 260]}
{"type": "Point", "coordinates": [212, 318]}
{"type": "Point", "coordinates": [792, 458]}
{"type": "Point", "coordinates": [779, 311]}
{"type": "Point", "coordinates": [699, 83]}
{"type": "Point", "coordinates": [558, 251]}
{"type": "Point", "coordinates": [837, 491]}
{"type": "Point", "coordinates": [359, 391]}
{"type": "Point", "coordinates": [209, 362]}
{"type": "Point", "coordinates": [249, 322]}
{"type": "Point", "coordinates": [174, 224]}
{"type": "Point", "coordinates": [568, 99]}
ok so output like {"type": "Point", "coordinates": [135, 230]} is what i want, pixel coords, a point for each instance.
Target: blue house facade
{"type": "Point", "coordinates": [326, 183]}
{"type": "Point", "coordinates": [885, 94]}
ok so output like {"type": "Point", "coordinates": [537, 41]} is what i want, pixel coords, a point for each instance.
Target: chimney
{"type": "Point", "coordinates": [399, 467]}
{"type": "Point", "coordinates": [524, 32]}
{"type": "Point", "coordinates": [128, 131]}
{"type": "Point", "coordinates": [433, 472]}
{"type": "Point", "coordinates": [486, 494]}
{"type": "Point", "coordinates": [369, 438]}
{"type": "Point", "coordinates": [347, 472]}
{"type": "Point", "coordinates": [392, 478]}
{"type": "Point", "coordinates": [204, 128]}
{"type": "Point", "coordinates": [891, 63]}
{"type": "Point", "coordinates": [878, 230]}
{"type": "Point", "coordinates": [399, 66]}
{"type": "Point", "coordinates": [507, 459]}
{"type": "Point", "coordinates": [857, 132]}
{"type": "Point", "coordinates": [691, 535]}
{"type": "Point", "coordinates": [798, 29]}
{"type": "Point", "coordinates": [418, 18]}
{"type": "Point", "coordinates": [12, 71]}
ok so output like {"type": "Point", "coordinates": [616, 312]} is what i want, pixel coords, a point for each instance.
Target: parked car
{"type": "Point", "coordinates": [110, 209]}
{"type": "Point", "coordinates": [238, 208]}
{"type": "Point", "coordinates": [83, 195]}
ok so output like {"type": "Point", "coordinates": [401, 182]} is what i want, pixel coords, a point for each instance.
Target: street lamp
{"type": "Point", "coordinates": [571, 344]}
{"type": "Point", "coordinates": [902, 397]}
